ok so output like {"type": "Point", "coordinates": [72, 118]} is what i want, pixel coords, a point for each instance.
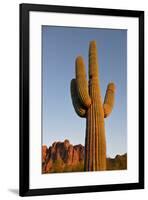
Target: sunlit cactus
{"type": "Point", "coordinates": [87, 102]}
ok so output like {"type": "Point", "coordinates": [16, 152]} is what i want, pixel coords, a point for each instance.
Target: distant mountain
{"type": "Point", "coordinates": [117, 163]}
{"type": "Point", "coordinates": [65, 157]}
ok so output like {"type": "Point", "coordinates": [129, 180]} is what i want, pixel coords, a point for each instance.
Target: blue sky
{"type": "Point", "coordinates": [60, 47]}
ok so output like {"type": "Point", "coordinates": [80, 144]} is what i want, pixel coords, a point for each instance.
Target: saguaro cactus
{"type": "Point", "coordinates": [87, 102]}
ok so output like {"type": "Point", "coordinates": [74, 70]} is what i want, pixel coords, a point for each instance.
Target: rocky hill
{"type": "Point", "coordinates": [117, 163]}
{"type": "Point", "coordinates": [65, 157]}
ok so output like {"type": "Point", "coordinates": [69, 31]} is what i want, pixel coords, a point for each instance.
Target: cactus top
{"type": "Point", "coordinates": [93, 60]}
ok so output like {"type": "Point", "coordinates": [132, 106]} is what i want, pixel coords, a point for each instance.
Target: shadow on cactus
{"type": "Point", "coordinates": [87, 102]}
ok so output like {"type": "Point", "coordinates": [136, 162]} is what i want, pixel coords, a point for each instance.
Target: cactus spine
{"type": "Point", "coordinates": [87, 102]}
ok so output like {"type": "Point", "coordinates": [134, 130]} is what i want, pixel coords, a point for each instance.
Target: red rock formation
{"type": "Point", "coordinates": [63, 154]}
{"type": "Point", "coordinates": [44, 153]}
{"type": "Point", "coordinates": [65, 157]}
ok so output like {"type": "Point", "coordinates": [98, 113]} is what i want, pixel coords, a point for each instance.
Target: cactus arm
{"type": "Point", "coordinates": [82, 85]}
{"type": "Point", "coordinates": [109, 99]}
{"type": "Point", "coordinates": [75, 100]}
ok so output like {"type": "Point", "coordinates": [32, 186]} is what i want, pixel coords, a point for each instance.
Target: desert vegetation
{"type": "Point", "coordinates": [87, 102]}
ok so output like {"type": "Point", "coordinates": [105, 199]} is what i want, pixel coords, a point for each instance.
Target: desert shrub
{"type": "Point", "coordinates": [58, 166]}
{"type": "Point", "coordinates": [79, 167]}
{"type": "Point", "coordinates": [67, 168]}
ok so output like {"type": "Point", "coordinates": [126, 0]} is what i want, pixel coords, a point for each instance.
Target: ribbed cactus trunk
{"type": "Point", "coordinates": [87, 102]}
{"type": "Point", "coordinates": [95, 144]}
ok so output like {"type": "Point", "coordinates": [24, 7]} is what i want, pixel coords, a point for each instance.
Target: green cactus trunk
{"type": "Point", "coordinates": [87, 103]}
{"type": "Point", "coordinates": [95, 143]}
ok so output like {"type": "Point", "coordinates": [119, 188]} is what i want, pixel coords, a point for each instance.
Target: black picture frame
{"type": "Point", "coordinates": [24, 189]}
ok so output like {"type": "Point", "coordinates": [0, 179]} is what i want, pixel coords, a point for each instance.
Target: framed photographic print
{"type": "Point", "coordinates": [81, 99]}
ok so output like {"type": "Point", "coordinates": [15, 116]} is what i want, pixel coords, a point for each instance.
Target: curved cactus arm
{"type": "Point", "coordinates": [75, 99]}
{"type": "Point", "coordinates": [109, 99]}
{"type": "Point", "coordinates": [82, 85]}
